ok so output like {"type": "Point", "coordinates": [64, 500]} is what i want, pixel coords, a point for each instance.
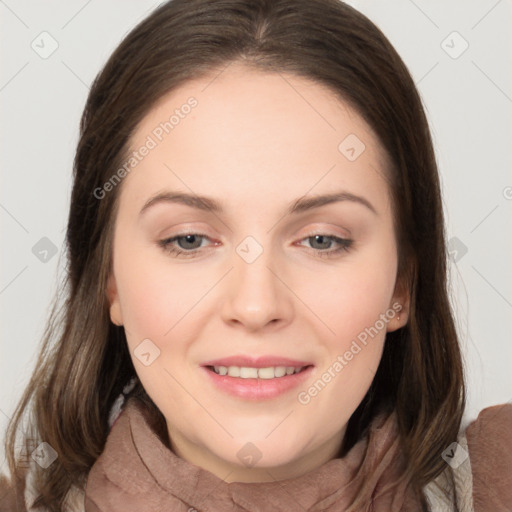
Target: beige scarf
{"type": "Point", "coordinates": [137, 472]}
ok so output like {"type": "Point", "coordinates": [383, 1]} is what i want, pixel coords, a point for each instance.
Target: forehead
{"type": "Point", "coordinates": [250, 134]}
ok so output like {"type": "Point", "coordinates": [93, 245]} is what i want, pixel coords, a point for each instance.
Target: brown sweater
{"type": "Point", "coordinates": [136, 472]}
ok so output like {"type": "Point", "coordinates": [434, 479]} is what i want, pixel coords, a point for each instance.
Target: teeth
{"type": "Point", "coordinates": [266, 373]}
{"type": "Point", "coordinates": [234, 371]}
{"type": "Point", "coordinates": [280, 371]}
{"type": "Point", "coordinates": [244, 372]}
{"type": "Point", "coordinates": [248, 373]}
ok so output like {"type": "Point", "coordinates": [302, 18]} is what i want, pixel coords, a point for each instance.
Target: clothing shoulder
{"type": "Point", "coordinates": [11, 495]}
{"type": "Point", "coordinates": [489, 440]}
{"type": "Point", "coordinates": [21, 496]}
{"type": "Point", "coordinates": [478, 474]}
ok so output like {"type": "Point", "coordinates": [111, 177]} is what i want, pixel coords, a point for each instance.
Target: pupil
{"type": "Point", "coordinates": [189, 239]}
{"type": "Point", "coordinates": [319, 239]}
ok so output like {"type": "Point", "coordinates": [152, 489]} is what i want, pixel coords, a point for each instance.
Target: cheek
{"type": "Point", "coordinates": [157, 304]}
{"type": "Point", "coordinates": [352, 299]}
{"type": "Point", "coordinates": [154, 295]}
{"type": "Point", "coordinates": [363, 321]}
{"type": "Point", "coordinates": [162, 302]}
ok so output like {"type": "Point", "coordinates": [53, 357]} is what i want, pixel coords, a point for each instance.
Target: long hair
{"type": "Point", "coordinates": [84, 360]}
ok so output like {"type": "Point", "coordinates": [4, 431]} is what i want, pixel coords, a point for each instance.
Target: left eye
{"type": "Point", "coordinates": [190, 243]}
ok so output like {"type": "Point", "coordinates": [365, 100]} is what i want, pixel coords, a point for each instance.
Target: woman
{"type": "Point", "coordinates": [261, 371]}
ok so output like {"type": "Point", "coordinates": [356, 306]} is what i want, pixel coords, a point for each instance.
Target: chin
{"type": "Point", "coordinates": [259, 453]}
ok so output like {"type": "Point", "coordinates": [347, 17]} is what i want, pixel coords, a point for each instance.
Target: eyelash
{"type": "Point", "coordinates": [345, 244]}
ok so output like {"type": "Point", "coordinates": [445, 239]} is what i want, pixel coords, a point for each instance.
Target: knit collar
{"type": "Point", "coordinates": [136, 471]}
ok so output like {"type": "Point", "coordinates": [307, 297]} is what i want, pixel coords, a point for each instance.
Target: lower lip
{"type": "Point", "coordinates": [258, 389]}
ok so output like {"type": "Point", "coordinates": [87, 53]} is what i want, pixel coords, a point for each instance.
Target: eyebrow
{"type": "Point", "coordinates": [299, 206]}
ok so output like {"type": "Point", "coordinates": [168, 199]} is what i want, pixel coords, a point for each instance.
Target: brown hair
{"type": "Point", "coordinates": [84, 361]}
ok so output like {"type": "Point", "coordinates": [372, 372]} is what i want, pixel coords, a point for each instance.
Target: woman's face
{"type": "Point", "coordinates": [290, 263]}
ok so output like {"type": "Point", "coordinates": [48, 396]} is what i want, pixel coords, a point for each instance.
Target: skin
{"type": "Point", "coordinates": [255, 144]}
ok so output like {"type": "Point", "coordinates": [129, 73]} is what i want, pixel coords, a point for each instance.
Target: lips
{"type": "Point", "coordinates": [257, 378]}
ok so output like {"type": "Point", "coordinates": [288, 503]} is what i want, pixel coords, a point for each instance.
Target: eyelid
{"type": "Point", "coordinates": [322, 229]}
{"type": "Point", "coordinates": [184, 228]}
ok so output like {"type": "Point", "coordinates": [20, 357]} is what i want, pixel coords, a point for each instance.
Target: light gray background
{"type": "Point", "coordinates": [468, 98]}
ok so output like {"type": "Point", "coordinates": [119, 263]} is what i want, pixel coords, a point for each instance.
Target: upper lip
{"type": "Point", "coordinates": [256, 362]}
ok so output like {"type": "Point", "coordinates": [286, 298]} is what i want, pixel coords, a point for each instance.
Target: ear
{"type": "Point", "coordinates": [113, 299]}
{"type": "Point", "coordinates": [400, 304]}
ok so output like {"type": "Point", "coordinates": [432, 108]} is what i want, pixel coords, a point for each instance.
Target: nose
{"type": "Point", "coordinates": [256, 294]}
